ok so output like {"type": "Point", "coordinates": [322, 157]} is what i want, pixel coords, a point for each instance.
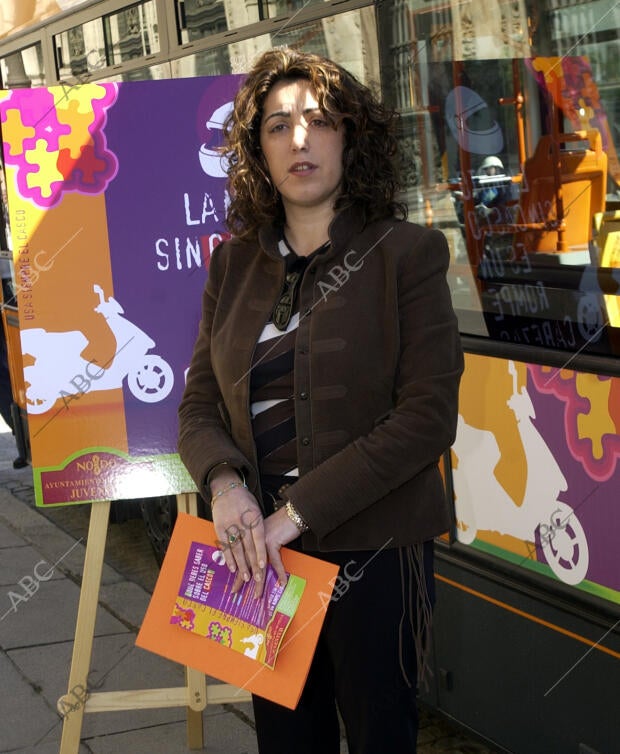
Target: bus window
{"type": "Point", "coordinates": [198, 19]}
{"type": "Point", "coordinates": [361, 57]}
{"type": "Point", "coordinates": [108, 40]}
{"type": "Point", "coordinates": [509, 147]}
{"type": "Point", "coordinates": [23, 68]}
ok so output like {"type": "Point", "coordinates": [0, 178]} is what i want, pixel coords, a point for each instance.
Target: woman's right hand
{"type": "Point", "coordinates": [239, 526]}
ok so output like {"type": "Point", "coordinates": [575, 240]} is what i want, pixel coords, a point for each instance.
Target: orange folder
{"type": "Point", "coordinates": [285, 682]}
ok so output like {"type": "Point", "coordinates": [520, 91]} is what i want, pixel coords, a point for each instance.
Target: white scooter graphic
{"type": "Point", "coordinates": [60, 370]}
{"type": "Point", "coordinates": [483, 503]}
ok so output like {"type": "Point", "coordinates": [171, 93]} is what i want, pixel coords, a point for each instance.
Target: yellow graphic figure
{"type": "Point", "coordinates": [82, 95]}
{"type": "Point", "coordinates": [15, 132]}
{"type": "Point", "coordinates": [79, 136]}
{"type": "Point", "coordinates": [48, 173]}
{"type": "Point", "coordinates": [597, 422]}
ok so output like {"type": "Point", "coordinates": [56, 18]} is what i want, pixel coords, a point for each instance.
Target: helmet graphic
{"type": "Point", "coordinates": [463, 108]}
{"type": "Point", "coordinates": [213, 162]}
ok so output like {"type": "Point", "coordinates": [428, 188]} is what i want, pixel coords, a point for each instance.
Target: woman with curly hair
{"type": "Point", "coordinates": [323, 390]}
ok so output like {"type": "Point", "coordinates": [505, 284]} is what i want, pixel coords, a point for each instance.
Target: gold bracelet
{"type": "Point", "coordinates": [224, 490]}
{"type": "Point", "coordinates": [295, 517]}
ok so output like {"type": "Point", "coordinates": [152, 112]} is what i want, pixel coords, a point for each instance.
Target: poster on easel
{"type": "Point", "coordinates": [117, 198]}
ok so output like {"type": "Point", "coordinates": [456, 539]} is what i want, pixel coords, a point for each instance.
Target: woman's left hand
{"type": "Point", "coordinates": [279, 531]}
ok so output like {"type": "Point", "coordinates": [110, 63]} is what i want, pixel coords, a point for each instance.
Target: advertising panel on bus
{"type": "Point", "coordinates": [535, 470]}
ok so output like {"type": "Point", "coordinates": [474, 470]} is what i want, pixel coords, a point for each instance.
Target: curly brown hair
{"type": "Point", "coordinates": [369, 170]}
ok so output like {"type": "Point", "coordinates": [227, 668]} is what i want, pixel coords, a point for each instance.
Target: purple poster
{"type": "Point", "coordinates": [165, 212]}
{"type": "Point", "coordinates": [117, 198]}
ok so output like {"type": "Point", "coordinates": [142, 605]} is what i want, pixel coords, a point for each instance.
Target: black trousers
{"type": "Point", "coordinates": [364, 651]}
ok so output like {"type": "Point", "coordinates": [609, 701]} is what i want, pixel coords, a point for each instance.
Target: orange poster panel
{"type": "Point", "coordinates": [282, 684]}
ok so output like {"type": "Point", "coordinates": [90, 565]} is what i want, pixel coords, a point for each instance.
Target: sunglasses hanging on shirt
{"type": "Point", "coordinates": [295, 267]}
{"type": "Point", "coordinates": [283, 310]}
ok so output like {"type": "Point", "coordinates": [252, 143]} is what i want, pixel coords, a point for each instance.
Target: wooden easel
{"type": "Point", "coordinates": [194, 695]}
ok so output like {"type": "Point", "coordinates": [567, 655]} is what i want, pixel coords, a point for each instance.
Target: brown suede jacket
{"type": "Point", "coordinates": [377, 367]}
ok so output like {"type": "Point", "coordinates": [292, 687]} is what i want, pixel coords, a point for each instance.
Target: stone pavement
{"type": "Point", "coordinates": [40, 571]}
{"type": "Point", "coordinates": [41, 558]}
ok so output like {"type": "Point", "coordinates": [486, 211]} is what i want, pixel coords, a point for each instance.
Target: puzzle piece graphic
{"type": "Point", "coordinates": [38, 112]}
{"type": "Point", "coordinates": [66, 163]}
{"type": "Point", "coordinates": [87, 164]}
{"type": "Point", "coordinates": [55, 137]}
{"type": "Point", "coordinates": [15, 132]}
{"type": "Point", "coordinates": [48, 172]}
{"type": "Point", "coordinates": [591, 416]}
{"type": "Point", "coordinates": [90, 165]}
{"type": "Point", "coordinates": [81, 96]}
{"type": "Point", "coordinates": [595, 423]}
{"type": "Point", "coordinates": [79, 134]}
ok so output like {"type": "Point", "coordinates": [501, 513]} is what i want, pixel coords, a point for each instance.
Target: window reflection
{"type": "Point", "coordinates": [206, 63]}
{"type": "Point", "coordinates": [200, 18]}
{"type": "Point", "coordinates": [132, 33]}
{"type": "Point", "coordinates": [23, 69]}
{"type": "Point", "coordinates": [113, 39]}
{"type": "Point", "coordinates": [154, 72]}
{"type": "Point", "coordinates": [508, 146]}
{"type": "Point", "coordinates": [283, 7]}
{"type": "Point", "coordinates": [80, 50]}
{"type": "Point", "coordinates": [359, 55]}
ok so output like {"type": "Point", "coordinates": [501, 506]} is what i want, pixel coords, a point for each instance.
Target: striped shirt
{"type": "Point", "coordinates": [272, 404]}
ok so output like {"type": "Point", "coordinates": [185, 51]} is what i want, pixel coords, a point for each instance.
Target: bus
{"type": "Point", "coordinates": [510, 131]}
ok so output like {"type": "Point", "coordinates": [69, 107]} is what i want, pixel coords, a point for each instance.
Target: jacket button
{"type": "Point", "coordinates": [305, 441]}
{"type": "Point", "coordinates": [303, 395]}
